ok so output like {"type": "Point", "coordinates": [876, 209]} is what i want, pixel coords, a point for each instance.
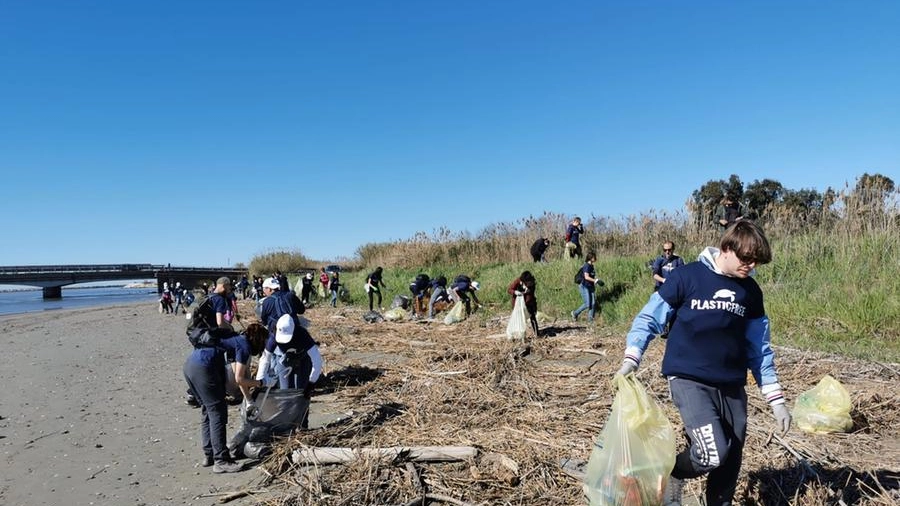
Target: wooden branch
{"type": "Point", "coordinates": [602, 353]}
{"type": "Point", "coordinates": [413, 453]}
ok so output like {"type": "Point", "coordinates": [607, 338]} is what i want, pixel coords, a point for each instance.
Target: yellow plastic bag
{"type": "Point", "coordinates": [824, 408]}
{"type": "Point", "coordinates": [457, 313]}
{"type": "Point", "coordinates": [635, 453]}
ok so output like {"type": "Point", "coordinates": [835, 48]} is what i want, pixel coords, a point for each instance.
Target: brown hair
{"type": "Point", "coordinates": [257, 334]}
{"type": "Point", "coordinates": [748, 241]}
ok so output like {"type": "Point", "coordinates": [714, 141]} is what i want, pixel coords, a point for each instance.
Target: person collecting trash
{"type": "Point", "coordinates": [719, 330]}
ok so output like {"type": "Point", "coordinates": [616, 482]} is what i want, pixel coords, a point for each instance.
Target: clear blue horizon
{"type": "Point", "coordinates": [205, 133]}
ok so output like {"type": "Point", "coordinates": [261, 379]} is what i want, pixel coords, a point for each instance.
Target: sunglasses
{"type": "Point", "coordinates": [746, 260]}
{"type": "Point", "coordinates": [668, 250]}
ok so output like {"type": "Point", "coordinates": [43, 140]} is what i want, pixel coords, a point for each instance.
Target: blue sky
{"type": "Point", "coordinates": [203, 133]}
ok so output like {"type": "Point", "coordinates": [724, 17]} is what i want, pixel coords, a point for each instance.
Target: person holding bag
{"type": "Point", "coordinates": [719, 330]}
{"type": "Point", "coordinates": [525, 286]}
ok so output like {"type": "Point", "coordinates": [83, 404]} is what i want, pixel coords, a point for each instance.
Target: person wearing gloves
{"type": "Point", "coordinates": [525, 286]}
{"type": "Point", "coordinates": [204, 371]}
{"type": "Point", "coordinates": [292, 358]}
{"type": "Point", "coordinates": [373, 286]}
{"type": "Point", "coordinates": [719, 330]}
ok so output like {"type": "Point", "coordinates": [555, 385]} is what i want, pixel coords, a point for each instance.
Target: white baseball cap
{"type": "Point", "coordinates": [475, 285]}
{"type": "Point", "coordinates": [284, 329]}
{"type": "Point", "coordinates": [271, 283]}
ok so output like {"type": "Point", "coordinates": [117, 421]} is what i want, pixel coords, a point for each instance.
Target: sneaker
{"type": "Point", "coordinates": [224, 466]}
{"type": "Point", "coordinates": [190, 400]}
{"type": "Point", "coordinates": [574, 316]}
{"type": "Point", "coordinates": [673, 492]}
{"type": "Point", "coordinates": [207, 461]}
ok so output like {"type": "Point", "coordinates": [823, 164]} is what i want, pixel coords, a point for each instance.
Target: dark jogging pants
{"type": "Point", "coordinates": [715, 421]}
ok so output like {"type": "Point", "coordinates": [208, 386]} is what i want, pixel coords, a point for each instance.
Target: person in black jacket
{"type": "Point", "coordinates": [538, 248]}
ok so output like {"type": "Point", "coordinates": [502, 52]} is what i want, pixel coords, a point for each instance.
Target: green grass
{"type": "Point", "coordinates": [821, 294]}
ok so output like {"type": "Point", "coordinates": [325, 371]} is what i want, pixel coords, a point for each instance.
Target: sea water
{"type": "Point", "coordinates": [29, 301]}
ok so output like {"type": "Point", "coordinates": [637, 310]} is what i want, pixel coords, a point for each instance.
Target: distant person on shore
{"type": "Point", "coordinates": [374, 284]}
{"type": "Point", "coordinates": [204, 371]}
{"type": "Point", "coordinates": [720, 330]}
{"type": "Point", "coordinates": [334, 284]}
{"type": "Point", "coordinates": [438, 293]}
{"type": "Point", "coordinates": [283, 283]}
{"type": "Point", "coordinates": [165, 301]}
{"type": "Point", "coordinates": [729, 210]}
{"type": "Point", "coordinates": [525, 286]}
{"type": "Point", "coordinates": [462, 289]}
{"type": "Point", "coordinates": [573, 237]}
{"type": "Point", "coordinates": [419, 289]}
{"type": "Point", "coordinates": [664, 264]}
{"type": "Point", "coordinates": [306, 288]}
{"type": "Point", "coordinates": [179, 298]}
{"type": "Point", "coordinates": [586, 288]}
{"type": "Point", "coordinates": [244, 287]}
{"type": "Point", "coordinates": [539, 248]}
{"type": "Point", "coordinates": [324, 281]}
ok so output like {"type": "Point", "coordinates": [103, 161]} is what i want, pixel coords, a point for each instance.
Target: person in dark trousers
{"type": "Point", "coordinates": [462, 289]}
{"type": "Point", "coordinates": [538, 248]}
{"type": "Point", "coordinates": [419, 288]}
{"type": "Point", "coordinates": [374, 284]}
{"type": "Point", "coordinates": [664, 264]}
{"type": "Point", "coordinates": [306, 288]}
{"type": "Point", "coordinates": [719, 330]}
{"type": "Point", "coordinates": [525, 286]}
{"type": "Point", "coordinates": [586, 288]}
{"type": "Point", "coordinates": [204, 371]}
{"type": "Point", "coordinates": [573, 237]}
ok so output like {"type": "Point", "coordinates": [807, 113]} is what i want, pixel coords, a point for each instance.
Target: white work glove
{"type": "Point", "coordinates": [782, 418]}
{"type": "Point", "coordinates": [628, 367]}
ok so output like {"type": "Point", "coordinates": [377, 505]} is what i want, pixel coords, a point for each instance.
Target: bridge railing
{"type": "Point", "coordinates": [39, 269]}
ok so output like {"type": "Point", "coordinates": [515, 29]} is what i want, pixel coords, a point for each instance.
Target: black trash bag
{"type": "Point", "coordinates": [400, 301]}
{"type": "Point", "coordinates": [373, 317]}
{"type": "Point", "coordinates": [275, 412]}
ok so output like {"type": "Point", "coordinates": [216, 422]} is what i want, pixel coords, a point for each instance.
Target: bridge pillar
{"type": "Point", "coordinates": [52, 292]}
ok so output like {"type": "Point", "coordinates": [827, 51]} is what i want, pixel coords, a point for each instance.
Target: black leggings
{"type": "Point", "coordinates": [372, 293]}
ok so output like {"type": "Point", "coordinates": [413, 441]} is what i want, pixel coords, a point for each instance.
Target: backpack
{"type": "Point", "coordinates": [579, 277]}
{"type": "Point", "coordinates": [462, 278]}
{"type": "Point", "coordinates": [422, 280]}
{"type": "Point", "coordinates": [197, 318]}
{"type": "Point", "coordinates": [201, 337]}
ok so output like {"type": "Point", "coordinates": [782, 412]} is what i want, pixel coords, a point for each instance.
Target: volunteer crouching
{"type": "Point", "coordinates": [204, 371]}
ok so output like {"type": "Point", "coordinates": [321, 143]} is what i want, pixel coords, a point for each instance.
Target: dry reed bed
{"type": "Point", "coordinates": [543, 400]}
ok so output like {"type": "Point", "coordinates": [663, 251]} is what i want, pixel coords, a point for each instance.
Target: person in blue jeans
{"type": "Point", "coordinates": [204, 371]}
{"type": "Point", "coordinates": [588, 279]}
{"type": "Point", "coordinates": [334, 284]}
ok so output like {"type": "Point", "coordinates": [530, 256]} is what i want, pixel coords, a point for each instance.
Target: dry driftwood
{"type": "Point", "coordinates": [412, 453]}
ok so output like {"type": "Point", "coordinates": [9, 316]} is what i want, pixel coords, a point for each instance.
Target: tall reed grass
{"type": "Point", "coordinates": [833, 284]}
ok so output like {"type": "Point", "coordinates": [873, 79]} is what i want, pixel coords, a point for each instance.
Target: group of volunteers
{"type": "Point", "coordinates": [710, 313]}
{"type": "Point", "coordinates": [289, 359]}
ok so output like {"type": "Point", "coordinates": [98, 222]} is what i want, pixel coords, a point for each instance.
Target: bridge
{"type": "Point", "coordinates": [51, 278]}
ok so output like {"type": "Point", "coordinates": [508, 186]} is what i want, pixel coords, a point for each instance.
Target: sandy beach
{"type": "Point", "coordinates": [93, 411]}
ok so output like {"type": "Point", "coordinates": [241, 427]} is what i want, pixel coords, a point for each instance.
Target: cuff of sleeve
{"type": "Point", "coordinates": [773, 394]}
{"type": "Point", "coordinates": [633, 354]}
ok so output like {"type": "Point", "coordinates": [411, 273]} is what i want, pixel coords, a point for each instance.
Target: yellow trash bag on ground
{"type": "Point", "coordinates": [635, 452]}
{"type": "Point", "coordinates": [824, 408]}
{"type": "Point", "coordinates": [457, 313]}
{"type": "Point", "coordinates": [395, 315]}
